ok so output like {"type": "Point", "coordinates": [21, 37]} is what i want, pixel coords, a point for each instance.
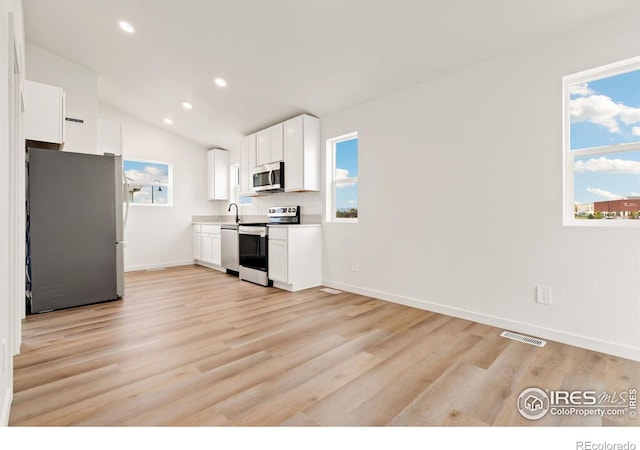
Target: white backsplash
{"type": "Point", "coordinates": [309, 202]}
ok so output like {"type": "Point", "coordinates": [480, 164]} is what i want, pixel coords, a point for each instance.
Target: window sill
{"type": "Point", "coordinates": [602, 223]}
{"type": "Point", "coordinates": [164, 205]}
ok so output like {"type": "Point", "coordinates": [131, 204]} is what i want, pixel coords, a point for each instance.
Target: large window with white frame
{"type": "Point", "coordinates": [148, 182]}
{"type": "Point", "coordinates": [342, 178]}
{"type": "Point", "coordinates": [602, 146]}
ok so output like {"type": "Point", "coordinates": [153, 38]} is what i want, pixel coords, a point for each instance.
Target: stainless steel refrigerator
{"type": "Point", "coordinates": [75, 246]}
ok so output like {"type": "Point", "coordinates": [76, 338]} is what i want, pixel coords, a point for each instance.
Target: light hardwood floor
{"type": "Point", "coordinates": [192, 346]}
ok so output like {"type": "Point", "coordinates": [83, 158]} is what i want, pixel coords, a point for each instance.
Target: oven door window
{"type": "Point", "coordinates": [253, 252]}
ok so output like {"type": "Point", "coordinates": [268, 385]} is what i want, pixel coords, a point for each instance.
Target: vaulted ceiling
{"type": "Point", "coordinates": [284, 57]}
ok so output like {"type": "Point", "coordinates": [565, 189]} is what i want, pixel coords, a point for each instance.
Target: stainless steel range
{"type": "Point", "coordinates": [253, 243]}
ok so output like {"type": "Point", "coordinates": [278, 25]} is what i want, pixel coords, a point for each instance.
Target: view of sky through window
{"type": "Point", "coordinates": [603, 113]}
{"type": "Point", "coordinates": [149, 181]}
{"type": "Point", "coordinates": [346, 165]}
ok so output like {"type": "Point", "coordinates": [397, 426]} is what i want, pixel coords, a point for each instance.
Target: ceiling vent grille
{"type": "Point", "coordinates": [522, 338]}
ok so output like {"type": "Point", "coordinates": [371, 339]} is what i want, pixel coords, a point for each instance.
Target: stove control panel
{"type": "Point", "coordinates": [284, 214]}
{"type": "Point", "coordinates": [283, 211]}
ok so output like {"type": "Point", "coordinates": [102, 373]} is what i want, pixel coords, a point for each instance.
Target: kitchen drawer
{"type": "Point", "coordinates": [209, 228]}
{"type": "Point", "coordinates": [279, 233]}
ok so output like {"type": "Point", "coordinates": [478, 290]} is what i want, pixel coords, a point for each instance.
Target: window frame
{"type": "Point", "coordinates": [234, 178]}
{"type": "Point", "coordinates": [570, 156]}
{"type": "Point", "coordinates": [332, 182]}
{"type": "Point", "coordinates": [168, 185]}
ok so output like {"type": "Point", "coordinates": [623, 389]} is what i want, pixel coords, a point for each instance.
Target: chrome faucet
{"type": "Point", "coordinates": [229, 210]}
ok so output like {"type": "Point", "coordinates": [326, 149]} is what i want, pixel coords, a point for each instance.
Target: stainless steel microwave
{"type": "Point", "coordinates": [269, 177]}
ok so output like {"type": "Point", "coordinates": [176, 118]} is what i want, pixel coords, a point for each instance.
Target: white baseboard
{"type": "Point", "coordinates": [159, 266]}
{"type": "Point", "coordinates": [6, 407]}
{"type": "Point", "coordinates": [597, 345]}
{"type": "Point", "coordinates": [211, 266]}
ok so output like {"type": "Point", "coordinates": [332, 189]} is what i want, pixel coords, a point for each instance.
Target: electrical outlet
{"type": "Point", "coordinates": [543, 295]}
{"type": "Point", "coordinates": [354, 265]}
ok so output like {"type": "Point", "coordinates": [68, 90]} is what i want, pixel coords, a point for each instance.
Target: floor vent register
{"type": "Point", "coordinates": [522, 338]}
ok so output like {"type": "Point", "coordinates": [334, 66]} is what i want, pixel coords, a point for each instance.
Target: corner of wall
{"type": "Point", "coordinates": [6, 407]}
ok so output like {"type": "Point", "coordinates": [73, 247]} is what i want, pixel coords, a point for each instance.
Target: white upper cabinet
{"type": "Point", "coordinates": [109, 137]}
{"type": "Point", "coordinates": [270, 145]}
{"type": "Point", "coordinates": [302, 153]}
{"type": "Point", "coordinates": [296, 142]}
{"type": "Point", "coordinates": [44, 112]}
{"type": "Point", "coordinates": [247, 164]}
{"type": "Point", "coordinates": [218, 174]}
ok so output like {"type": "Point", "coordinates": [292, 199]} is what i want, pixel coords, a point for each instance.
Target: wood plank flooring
{"type": "Point", "coordinates": [190, 346]}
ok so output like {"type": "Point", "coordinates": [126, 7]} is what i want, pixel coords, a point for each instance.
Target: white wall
{"type": "Point", "coordinates": [161, 236]}
{"type": "Point", "coordinates": [461, 201]}
{"type": "Point", "coordinates": [80, 85]}
{"type": "Point", "coordinates": [11, 205]}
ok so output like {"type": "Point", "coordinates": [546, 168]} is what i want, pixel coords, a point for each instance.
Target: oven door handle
{"type": "Point", "coordinates": [248, 231]}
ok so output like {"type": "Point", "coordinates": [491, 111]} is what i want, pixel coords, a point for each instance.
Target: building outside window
{"type": "Point", "coordinates": [148, 182]}
{"type": "Point", "coordinates": [342, 174]}
{"type": "Point", "coordinates": [602, 146]}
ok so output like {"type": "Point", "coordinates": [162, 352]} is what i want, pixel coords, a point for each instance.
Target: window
{"type": "Point", "coordinates": [342, 178]}
{"type": "Point", "coordinates": [602, 146]}
{"type": "Point", "coordinates": [234, 176]}
{"type": "Point", "coordinates": [149, 182]}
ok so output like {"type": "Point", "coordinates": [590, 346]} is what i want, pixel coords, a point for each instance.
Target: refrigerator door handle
{"type": "Point", "coordinates": [126, 200]}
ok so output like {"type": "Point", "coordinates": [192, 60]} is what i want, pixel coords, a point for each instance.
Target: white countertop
{"type": "Point", "coordinates": [209, 223]}
{"type": "Point", "coordinates": [270, 224]}
{"type": "Point", "coordinates": [298, 225]}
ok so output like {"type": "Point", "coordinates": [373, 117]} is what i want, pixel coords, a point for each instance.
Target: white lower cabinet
{"type": "Point", "coordinates": [295, 258]}
{"type": "Point", "coordinates": [207, 248]}
{"type": "Point", "coordinates": [278, 260]}
{"type": "Point", "coordinates": [197, 239]}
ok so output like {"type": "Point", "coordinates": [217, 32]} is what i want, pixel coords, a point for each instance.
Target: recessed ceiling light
{"type": "Point", "coordinates": [187, 105]}
{"type": "Point", "coordinates": [220, 82]}
{"type": "Point", "coordinates": [126, 26]}
{"type": "Point", "coordinates": [168, 121]}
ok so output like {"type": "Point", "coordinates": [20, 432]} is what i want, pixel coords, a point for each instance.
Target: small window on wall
{"type": "Point", "coordinates": [235, 187]}
{"type": "Point", "coordinates": [602, 146]}
{"type": "Point", "coordinates": [148, 182]}
{"type": "Point", "coordinates": [342, 174]}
